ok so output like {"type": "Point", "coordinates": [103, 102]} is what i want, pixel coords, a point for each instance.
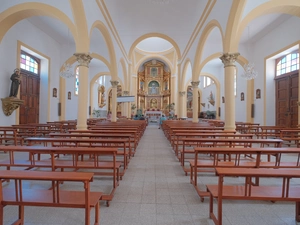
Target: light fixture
{"type": "Point", "coordinates": [66, 71]}
{"type": "Point", "coordinates": [159, 1]}
{"type": "Point", "coordinates": [249, 71]}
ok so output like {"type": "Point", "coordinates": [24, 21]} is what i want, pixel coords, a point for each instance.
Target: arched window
{"type": "Point", "coordinates": [77, 81]}
{"type": "Point", "coordinates": [287, 63]}
{"type": "Point", "coordinates": [207, 81]}
{"type": "Point", "coordinates": [29, 63]}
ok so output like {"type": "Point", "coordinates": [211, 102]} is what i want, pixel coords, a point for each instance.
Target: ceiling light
{"type": "Point", "coordinates": [66, 71]}
{"type": "Point", "coordinates": [249, 71]}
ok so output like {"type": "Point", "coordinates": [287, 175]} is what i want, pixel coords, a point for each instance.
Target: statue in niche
{"type": "Point", "coordinates": [153, 88]}
{"type": "Point", "coordinates": [15, 83]}
{"type": "Point", "coordinates": [153, 103]}
{"type": "Point", "coordinates": [153, 72]}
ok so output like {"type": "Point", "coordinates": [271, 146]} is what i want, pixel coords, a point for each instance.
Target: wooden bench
{"type": "Point", "coordinates": [246, 191]}
{"type": "Point", "coordinates": [73, 160]}
{"type": "Point", "coordinates": [132, 134]}
{"type": "Point", "coordinates": [82, 142]}
{"type": "Point", "coordinates": [8, 136]}
{"type": "Point", "coordinates": [19, 196]}
{"type": "Point", "coordinates": [238, 160]}
{"type": "Point", "coordinates": [214, 135]}
{"type": "Point", "coordinates": [227, 142]}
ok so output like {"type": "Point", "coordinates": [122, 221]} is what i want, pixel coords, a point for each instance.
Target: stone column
{"type": "Point", "coordinates": [195, 100]}
{"type": "Point", "coordinates": [114, 85]}
{"type": "Point", "coordinates": [181, 104]}
{"type": "Point", "coordinates": [228, 60]}
{"type": "Point", "coordinates": [125, 110]}
{"type": "Point", "coordinates": [83, 59]}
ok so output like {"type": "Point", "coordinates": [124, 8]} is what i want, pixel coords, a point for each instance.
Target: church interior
{"type": "Point", "coordinates": [117, 67]}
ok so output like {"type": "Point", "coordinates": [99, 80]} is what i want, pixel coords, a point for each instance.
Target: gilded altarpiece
{"type": "Point", "coordinates": [154, 89]}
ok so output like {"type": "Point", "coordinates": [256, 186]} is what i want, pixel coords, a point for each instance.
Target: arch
{"type": "Point", "coordinates": [290, 7]}
{"type": "Point", "coordinates": [209, 27]}
{"type": "Point", "coordinates": [185, 68]}
{"type": "Point", "coordinates": [125, 75]}
{"type": "Point", "coordinates": [149, 35]}
{"type": "Point", "coordinates": [16, 13]}
{"type": "Point", "coordinates": [111, 50]}
{"type": "Point", "coordinates": [147, 58]}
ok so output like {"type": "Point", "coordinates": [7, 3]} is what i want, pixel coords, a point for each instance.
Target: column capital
{"type": "Point", "coordinates": [83, 59]}
{"type": "Point", "coordinates": [182, 93]}
{"type": "Point", "coordinates": [195, 84]}
{"type": "Point", "coordinates": [125, 93]}
{"type": "Point", "coordinates": [228, 59]}
{"type": "Point", "coordinates": [114, 83]}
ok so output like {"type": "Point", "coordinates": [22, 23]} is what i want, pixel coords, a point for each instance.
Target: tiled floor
{"type": "Point", "coordinates": [155, 191]}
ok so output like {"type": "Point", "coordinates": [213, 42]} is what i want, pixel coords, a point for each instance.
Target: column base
{"type": "Point", "coordinates": [229, 128]}
{"type": "Point", "coordinates": [81, 127]}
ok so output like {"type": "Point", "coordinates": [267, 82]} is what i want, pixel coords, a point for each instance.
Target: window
{"type": "Point", "coordinates": [207, 81]}
{"type": "Point", "coordinates": [287, 63]}
{"type": "Point", "coordinates": [29, 63]}
{"type": "Point", "coordinates": [77, 81]}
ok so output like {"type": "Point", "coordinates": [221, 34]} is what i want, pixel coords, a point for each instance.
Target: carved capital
{"type": "Point", "coordinates": [114, 83]}
{"type": "Point", "coordinates": [195, 84]}
{"type": "Point", "coordinates": [182, 93]}
{"type": "Point", "coordinates": [228, 59]}
{"type": "Point", "coordinates": [83, 59]}
{"type": "Point", "coordinates": [125, 93]}
{"type": "Point", "coordinates": [10, 104]}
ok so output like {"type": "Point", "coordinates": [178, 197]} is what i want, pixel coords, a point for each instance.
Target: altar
{"type": "Point", "coordinates": [153, 116]}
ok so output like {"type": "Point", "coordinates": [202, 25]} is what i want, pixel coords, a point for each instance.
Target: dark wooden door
{"type": "Point", "coordinates": [286, 100]}
{"type": "Point", "coordinates": [30, 93]}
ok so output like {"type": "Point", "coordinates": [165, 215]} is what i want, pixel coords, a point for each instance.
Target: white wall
{"type": "Point", "coordinates": [38, 40]}
{"type": "Point", "coordinates": [282, 36]}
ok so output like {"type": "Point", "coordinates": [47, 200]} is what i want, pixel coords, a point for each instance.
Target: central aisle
{"type": "Point", "coordinates": [154, 189]}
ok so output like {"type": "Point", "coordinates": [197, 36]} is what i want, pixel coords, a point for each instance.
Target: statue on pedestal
{"type": "Point", "coordinates": [15, 83]}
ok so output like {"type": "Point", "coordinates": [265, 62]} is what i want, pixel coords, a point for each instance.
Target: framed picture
{"type": "Point", "coordinates": [54, 93]}
{"type": "Point", "coordinates": [258, 93]}
{"type": "Point", "coordinates": [69, 95]}
{"type": "Point", "coordinates": [242, 96]}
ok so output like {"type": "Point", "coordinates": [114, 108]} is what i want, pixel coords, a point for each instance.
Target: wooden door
{"type": "Point", "coordinates": [286, 100]}
{"type": "Point", "coordinates": [30, 93]}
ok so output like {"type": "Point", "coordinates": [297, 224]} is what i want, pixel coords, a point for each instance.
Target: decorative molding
{"type": "Point", "coordinates": [114, 83]}
{"type": "Point", "coordinates": [195, 84]}
{"type": "Point", "coordinates": [228, 59]}
{"type": "Point", "coordinates": [182, 93]}
{"type": "Point", "coordinates": [83, 59]}
{"type": "Point", "coordinates": [125, 93]}
{"type": "Point", "coordinates": [10, 104]}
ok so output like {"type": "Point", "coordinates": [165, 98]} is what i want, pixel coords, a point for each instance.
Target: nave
{"type": "Point", "coordinates": [154, 190]}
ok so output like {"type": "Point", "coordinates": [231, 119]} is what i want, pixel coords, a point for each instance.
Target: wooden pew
{"type": "Point", "coordinates": [54, 197]}
{"type": "Point", "coordinates": [209, 134]}
{"type": "Point", "coordinates": [132, 134]}
{"type": "Point", "coordinates": [8, 136]}
{"type": "Point", "coordinates": [82, 142]}
{"type": "Point", "coordinates": [227, 142]}
{"type": "Point", "coordinates": [245, 191]}
{"type": "Point", "coordinates": [72, 160]}
{"type": "Point", "coordinates": [216, 160]}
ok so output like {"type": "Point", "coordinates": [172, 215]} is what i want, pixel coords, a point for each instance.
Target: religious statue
{"type": "Point", "coordinates": [15, 83]}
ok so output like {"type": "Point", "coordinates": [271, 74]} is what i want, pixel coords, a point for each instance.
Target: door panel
{"type": "Point", "coordinates": [29, 92]}
{"type": "Point", "coordinates": [287, 101]}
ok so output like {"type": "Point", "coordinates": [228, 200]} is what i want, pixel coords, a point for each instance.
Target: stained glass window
{"type": "Point", "coordinates": [77, 81]}
{"type": "Point", "coordinates": [287, 64]}
{"type": "Point", "coordinates": [29, 63]}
